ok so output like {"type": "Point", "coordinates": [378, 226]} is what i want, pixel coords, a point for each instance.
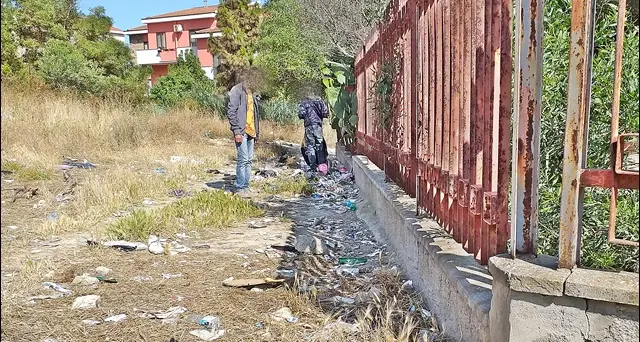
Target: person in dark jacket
{"type": "Point", "coordinates": [313, 110]}
{"type": "Point", "coordinates": [244, 119]}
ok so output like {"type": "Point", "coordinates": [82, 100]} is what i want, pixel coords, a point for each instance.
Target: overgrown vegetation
{"type": "Point", "coordinates": [291, 185]}
{"type": "Point", "coordinates": [382, 89]}
{"type": "Point", "coordinates": [207, 209]}
{"type": "Point", "coordinates": [596, 251]}
{"type": "Point", "coordinates": [54, 42]}
{"type": "Point", "coordinates": [237, 46]}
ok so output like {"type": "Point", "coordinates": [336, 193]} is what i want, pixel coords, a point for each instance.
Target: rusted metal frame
{"type": "Point", "coordinates": [504, 120]}
{"type": "Point", "coordinates": [455, 148]}
{"type": "Point", "coordinates": [429, 199]}
{"type": "Point", "coordinates": [526, 128]}
{"type": "Point", "coordinates": [446, 117]}
{"type": "Point", "coordinates": [465, 123]}
{"type": "Point", "coordinates": [580, 56]}
{"type": "Point", "coordinates": [475, 196]}
{"type": "Point", "coordinates": [487, 143]}
{"type": "Point", "coordinates": [617, 140]}
{"type": "Point", "coordinates": [426, 105]}
{"type": "Point", "coordinates": [437, 162]}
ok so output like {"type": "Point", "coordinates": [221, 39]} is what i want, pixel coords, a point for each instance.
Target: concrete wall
{"type": "Point", "coordinates": [534, 301]}
{"type": "Point", "coordinates": [456, 289]}
{"type": "Point", "coordinates": [525, 300]}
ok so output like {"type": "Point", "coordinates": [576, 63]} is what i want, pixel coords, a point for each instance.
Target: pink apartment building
{"type": "Point", "coordinates": [163, 37]}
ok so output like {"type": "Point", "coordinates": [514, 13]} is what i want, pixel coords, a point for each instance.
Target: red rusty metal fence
{"type": "Point", "coordinates": [448, 139]}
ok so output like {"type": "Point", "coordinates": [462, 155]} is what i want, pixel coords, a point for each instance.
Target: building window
{"type": "Point", "coordinates": [192, 41]}
{"type": "Point", "coordinates": [161, 40]}
{"type": "Point", "coordinates": [145, 45]}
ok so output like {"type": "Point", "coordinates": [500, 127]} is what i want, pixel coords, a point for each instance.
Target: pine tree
{"type": "Point", "coordinates": [237, 46]}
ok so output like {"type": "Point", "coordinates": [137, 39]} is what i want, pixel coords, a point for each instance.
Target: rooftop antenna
{"type": "Point", "coordinates": [205, 2]}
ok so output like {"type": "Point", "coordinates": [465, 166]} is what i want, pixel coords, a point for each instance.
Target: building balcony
{"type": "Point", "coordinates": [156, 57]}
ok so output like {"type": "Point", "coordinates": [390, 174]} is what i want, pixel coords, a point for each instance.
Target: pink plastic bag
{"type": "Point", "coordinates": [323, 168]}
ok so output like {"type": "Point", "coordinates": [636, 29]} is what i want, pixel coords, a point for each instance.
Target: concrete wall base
{"type": "Point", "coordinates": [455, 287]}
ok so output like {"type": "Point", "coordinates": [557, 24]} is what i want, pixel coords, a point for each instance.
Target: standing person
{"type": "Point", "coordinates": [313, 110]}
{"type": "Point", "coordinates": [244, 119]}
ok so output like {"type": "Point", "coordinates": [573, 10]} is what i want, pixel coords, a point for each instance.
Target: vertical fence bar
{"type": "Point", "coordinates": [526, 127]}
{"type": "Point", "coordinates": [475, 198]}
{"type": "Point", "coordinates": [504, 118]}
{"type": "Point", "coordinates": [432, 107]}
{"type": "Point", "coordinates": [580, 56]}
{"type": "Point", "coordinates": [455, 8]}
{"type": "Point", "coordinates": [446, 114]}
{"type": "Point", "coordinates": [414, 84]}
{"type": "Point", "coordinates": [463, 190]}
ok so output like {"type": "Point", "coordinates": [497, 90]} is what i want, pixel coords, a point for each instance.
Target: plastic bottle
{"type": "Point", "coordinates": [351, 205]}
{"type": "Point", "coordinates": [208, 322]}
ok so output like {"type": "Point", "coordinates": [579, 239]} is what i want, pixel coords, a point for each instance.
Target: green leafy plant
{"type": "Point", "coordinates": [339, 82]}
{"type": "Point", "coordinates": [382, 90]}
{"type": "Point", "coordinates": [239, 22]}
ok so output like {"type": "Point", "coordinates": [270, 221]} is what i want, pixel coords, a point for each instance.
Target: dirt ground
{"type": "Point", "coordinates": [194, 279]}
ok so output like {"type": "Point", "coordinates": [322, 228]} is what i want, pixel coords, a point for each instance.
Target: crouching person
{"type": "Point", "coordinates": [313, 110]}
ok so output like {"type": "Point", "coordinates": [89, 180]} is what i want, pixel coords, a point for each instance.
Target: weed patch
{"type": "Point", "coordinates": [290, 185]}
{"type": "Point", "coordinates": [25, 173]}
{"type": "Point", "coordinates": [208, 209]}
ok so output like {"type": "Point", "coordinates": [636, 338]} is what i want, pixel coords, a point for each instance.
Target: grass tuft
{"type": "Point", "coordinates": [208, 209]}
{"type": "Point", "coordinates": [25, 173]}
{"type": "Point", "coordinates": [288, 185]}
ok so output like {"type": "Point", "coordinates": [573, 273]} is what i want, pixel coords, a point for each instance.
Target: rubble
{"type": "Point", "coordinates": [86, 302]}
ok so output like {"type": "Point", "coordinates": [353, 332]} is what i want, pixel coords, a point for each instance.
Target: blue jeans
{"type": "Point", "coordinates": [245, 158]}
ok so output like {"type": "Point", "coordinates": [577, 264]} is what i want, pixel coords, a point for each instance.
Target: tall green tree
{"type": "Point", "coordinates": [237, 46]}
{"type": "Point", "coordinates": [10, 61]}
{"type": "Point", "coordinates": [289, 55]}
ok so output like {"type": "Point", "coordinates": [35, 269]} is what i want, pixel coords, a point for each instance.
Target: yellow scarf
{"type": "Point", "coordinates": [250, 128]}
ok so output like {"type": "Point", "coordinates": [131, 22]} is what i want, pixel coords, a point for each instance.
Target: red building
{"type": "Point", "coordinates": [164, 37]}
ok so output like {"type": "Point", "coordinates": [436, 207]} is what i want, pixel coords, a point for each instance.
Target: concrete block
{"type": "Point", "coordinates": [531, 274]}
{"type": "Point", "coordinates": [616, 287]}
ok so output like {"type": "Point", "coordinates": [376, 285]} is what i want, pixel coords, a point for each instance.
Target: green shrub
{"type": "Point", "coordinates": [63, 65]}
{"type": "Point", "coordinates": [596, 251]}
{"type": "Point", "coordinates": [279, 110]}
{"type": "Point", "coordinates": [186, 84]}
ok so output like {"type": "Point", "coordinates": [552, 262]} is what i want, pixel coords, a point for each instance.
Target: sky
{"type": "Point", "coordinates": [128, 13]}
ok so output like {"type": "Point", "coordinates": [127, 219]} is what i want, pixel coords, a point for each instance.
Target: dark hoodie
{"type": "Point", "coordinates": [312, 111]}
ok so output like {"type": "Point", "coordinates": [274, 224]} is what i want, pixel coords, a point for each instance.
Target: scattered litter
{"type": "Point", "coordinates": [259, 325]}
{"type": "Point", "coordinates": [55, 295]}
{"type": "Point", "coordinates": [256, 289]}
{"type": "Point", "coordinates": [57, 287]}
{"type": "Point", "coordinates": [352, 261]}
{"type": "Point", "coordinates": [179, 193]}
{"type": "Point", "coordinates": [342, 300]}
{"type": "Point", "coordinates": [257, 225]}
{"type": "Point", "coordinates": [407, 284]}
{"type": "Point", "coordinates": [171, 315]}
{"type": "Point", "coordinates": [107, 280]}
{"type": "Point", "coordinates": [52, 216]}
{"type": "Point", "coordinates": [203, 246]}
{"type": "Point", "coordinates": [350, 204]}
{"type": "Point", "coordinates": [351, 271]}
{"type": "Point", "coordinates": [148, 201]}
{"type": "Point", "coordinates": [85, 280]}
{"type": "Point", "coordinates": [209, 322]}
{"type": "Point", "coordinates": [116, 318]}
{"type": "Point", "coordinates": [91, 322]}
{"type": "Point", "coordinates": [141, 279]}
{"type": "Point", "coordinates": [155, 246]}
{"type": "Point", "coordinates": [12, 227]}
{"type": "Point", "coordinates": [284, 314]}
{"type": "Point", "coordinates": [103, 271]}
{"type": "Point", "coordinates": [169, 276]}
{"type": "Point", "coordinates": [286, 274]}
{"type": "Point", "coordinates": [160, 170]}
{"type": "Point", "coordinates": [77, 164]}
{"type": "Point", "coordinates": [122, 245]}
{"type": "Point", "coordinates": [309, 244]}
{"type": "Point", "coordinates": [425, 313]}
{"type": "Point", "coordinates": [182, 236]}
{"type": "Point", "coordinates": [207, 335]}
{"type": "Point", "coordinates": [86, 302]}
{"type": "Point", "coordinates": [212, 171]}
{"type": "Point", "coordinates": [176, 159]}
{"type": "Point", "coordinates": [231, 282]}
{"type": "Point", "coordinates": [266, 173]}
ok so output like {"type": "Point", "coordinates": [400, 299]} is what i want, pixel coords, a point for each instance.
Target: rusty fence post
{"type": "Point", "coordinates": [576, 132]}
{"type": "Point", "coordinates": [526, 127]}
